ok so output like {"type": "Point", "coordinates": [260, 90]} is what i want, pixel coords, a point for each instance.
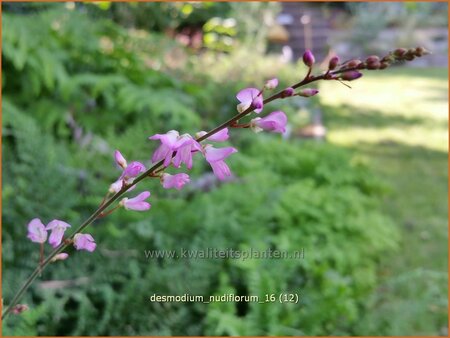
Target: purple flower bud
{"type": "Point", "coordinates": [287, 92]}
{"type": "Point", "coordinates": [308, 92]}
{"type": "Point", "coordinates": [351, 75]}
{"type": "Point", "coordinates": [308, 58]}
{"type": "Point", "coordinates": [334, 61]}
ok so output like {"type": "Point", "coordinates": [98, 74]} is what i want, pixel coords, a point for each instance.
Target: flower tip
{"type": "Point", "coordinates": [308, 58]}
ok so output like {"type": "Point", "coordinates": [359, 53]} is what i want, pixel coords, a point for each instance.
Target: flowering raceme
{"type": "Point", "coordinates": [175, 150]}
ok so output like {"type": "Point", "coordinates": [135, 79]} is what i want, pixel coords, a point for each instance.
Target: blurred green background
{"type": "Point", "coordinates": [368, 202]}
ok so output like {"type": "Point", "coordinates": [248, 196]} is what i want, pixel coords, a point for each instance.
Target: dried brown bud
{"type": "Point", "coordinates": [384, 65]}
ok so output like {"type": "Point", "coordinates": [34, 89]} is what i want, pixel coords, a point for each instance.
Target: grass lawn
{"type": "Point", "coordinates": [397, 120]}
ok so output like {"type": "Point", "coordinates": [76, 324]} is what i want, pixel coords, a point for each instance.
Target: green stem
{"type": "Point", "coordinates": [152, 170]}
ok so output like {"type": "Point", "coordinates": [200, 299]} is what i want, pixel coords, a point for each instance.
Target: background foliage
{"type": "Point", "coordinates": [77, 84]}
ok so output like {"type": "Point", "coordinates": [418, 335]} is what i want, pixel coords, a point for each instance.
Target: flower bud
{"type": "Point", "coordinates": [308, 58]}
{"type": "Point", "coordinates": [351, 75]}
{"type": "Point", "coordinates": [420, 51]}
{"type": "Point", "coordinates": [384, 65]}
{"type": "Point", "coordinates": [373, 65]}
{"type": "Point", "coordinates": [287, 92]}
{"type": "Point", "coordinates": [353, 63]}
{"type": "Point", "coordinates": [60, 257]}
{"type": "Point", "coordinates": [271, 84]}
{"type": "Point", "coordinates": [334, 61]}
{"type": "Point", "coordinates": [372, 59]}
{"type": "Point", "coordinates": [19, 308]}
{"type": "Point", "coordinates": [308, 92]}
{"type": "Point", "coordinates": [399, 52]}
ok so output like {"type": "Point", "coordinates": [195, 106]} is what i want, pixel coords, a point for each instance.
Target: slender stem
{"type": "Point", "coordinates": [149, 172]}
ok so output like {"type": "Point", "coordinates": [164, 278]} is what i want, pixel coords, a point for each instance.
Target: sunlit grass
{"type": "Point", "coordinates": [398, 121]}
{"type": "Point", "coordinates": [408, 106]}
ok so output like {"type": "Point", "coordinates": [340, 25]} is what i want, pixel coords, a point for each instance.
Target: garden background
{"type": "Point", "coordinates": [367, 201]}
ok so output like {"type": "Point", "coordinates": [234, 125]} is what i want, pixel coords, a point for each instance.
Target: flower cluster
{"type": "Point", "coordinates": [37, 233]}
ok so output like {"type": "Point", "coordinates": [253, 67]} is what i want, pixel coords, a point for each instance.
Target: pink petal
{"type": "Point", "coordinates": [36, 231]}
{"type": "Point", "coordinates": [218, 154]}
{"type": "Point", "coordinates": [247, 94]}
{"type": "Point", "coordinates": [219, 136]}
{"type": "Point", "coordinates": [142, 196]}
{"type": "Point", "coordinates": [161, 153]}
{"type": "Point", "coordinates": [120, 160]}
{"type": "Point", "coordinates": [57, 223]}
{"type": "Point", "coordinates": [174, 181]}
{"type": "Point", "coordinates": [220, 169]}
{"type": "Point", "coordinates": [169, 139]}
{"type": "Point", "coordinates": [138, 206]}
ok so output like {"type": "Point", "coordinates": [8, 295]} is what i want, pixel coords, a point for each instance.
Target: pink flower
{"type": "Point", "coordinates": [167, 147]}
{"type": "Point", "coordinates": [275, 122]}
{"type": "Point", "coordinates": [57, 227]}
{"type": "Point", "coordinates": [220, 136]}
{"type": "Point", "coordinates": [308, 58]}
{"type": "Point", "coordinates": [36, 231]}
{"type": "Point", "coordinates": [84, 242]}
{"type": "Point", "coordinates": [271, 84]}
{"type": "Point", "coordinates": [184, 147]}
{"type": "Point", "coordinates": [308, 92]}
{"type": "Point", "coordinates": [215, 157]}
{"type": "Point", "coordinates": [120, 160]}
{"type": "Point", "coordinates": [131, 171]}
{"type": "Point", "coordinates": [250, 97]}
{"type": "Point", "coordinates": [174, 181]}
{"type": "Point", "coordinates": [136, 203]}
